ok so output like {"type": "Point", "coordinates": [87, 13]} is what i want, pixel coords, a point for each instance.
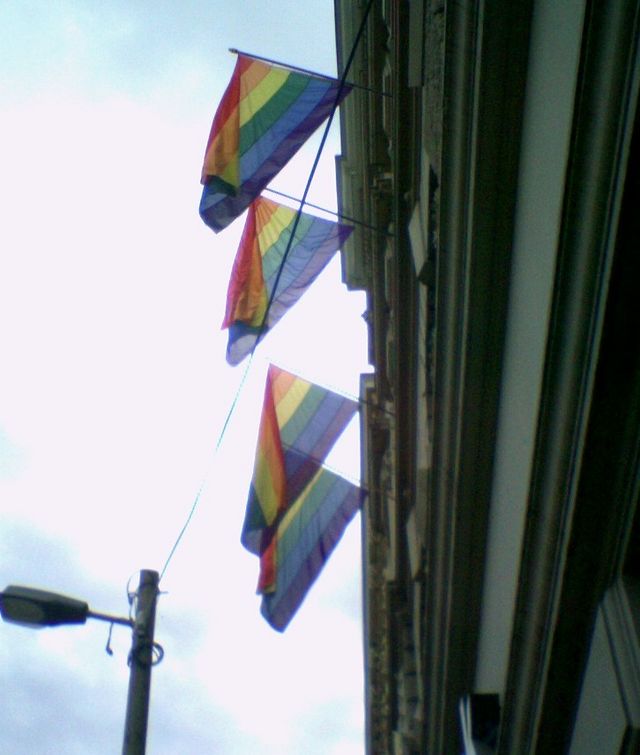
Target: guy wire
{"type": "Point", "coordinates": [263, 324]}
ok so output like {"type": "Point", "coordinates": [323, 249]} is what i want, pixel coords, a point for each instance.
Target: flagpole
{"type": "Point", "coordinates": [307, 71]}
{"type": "Point", "coordinates": [330, 212]}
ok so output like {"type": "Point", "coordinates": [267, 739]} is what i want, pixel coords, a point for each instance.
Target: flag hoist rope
{"type": "Point", "coordinates": [263, 324]}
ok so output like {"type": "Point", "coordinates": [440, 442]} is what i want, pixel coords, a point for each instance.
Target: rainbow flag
{"type": "Point", "coordinates": [297, 510]}
{"type": "Point", "coordinates": [265, 116]}
{"type": "Point", "coordinates": [265, 239]}
{"type": "Point", "coordinates": [305, 538]}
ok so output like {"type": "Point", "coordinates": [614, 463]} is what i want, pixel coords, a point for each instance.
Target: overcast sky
{"type": "Point", "coordinates": [114, 387]}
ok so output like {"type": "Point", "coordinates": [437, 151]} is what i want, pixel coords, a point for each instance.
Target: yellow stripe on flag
{"type": "Point", "coordinates": [270, 231]}
{"type": "Point", "coordinates": [253, 99]}
{"type": "Point", "coordinates": [287, 406]}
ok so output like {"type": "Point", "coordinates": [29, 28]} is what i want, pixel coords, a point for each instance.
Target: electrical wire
{"type": "Point", "coordinates": [215, 452]}
{"type": "Point", "coordinates": [263, 324]}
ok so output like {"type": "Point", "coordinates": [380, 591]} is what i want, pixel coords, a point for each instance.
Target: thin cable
{"type": "Point", "coordinates": [183, 530]}
{"type": "Point", "coordinates": [196, 501]}
{"type": "Point", "coordinates": [340, 215]}
{"type": "Point", "coordinates": [303, 200]}
{"type": "Point", "coordinates": [263, 324]}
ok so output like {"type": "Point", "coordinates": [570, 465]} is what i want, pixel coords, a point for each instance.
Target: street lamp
{"type": "Point", "coordinates": [38, 608]}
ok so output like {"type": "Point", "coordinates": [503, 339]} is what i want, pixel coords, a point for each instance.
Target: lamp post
{"type": "Point", "coordinates": [38, 608]}
{"type": "Point", "coordinates": [140, 663]}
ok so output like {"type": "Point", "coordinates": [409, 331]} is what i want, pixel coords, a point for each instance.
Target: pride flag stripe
{"type": "Point", "coordinates": [264, 241]}
{"type": "Point", "coordinates": [266, 114]}
{"type": "Point", "coordinates": [305, 539]}
{"type": "Point", "coordinates": [299, 425]}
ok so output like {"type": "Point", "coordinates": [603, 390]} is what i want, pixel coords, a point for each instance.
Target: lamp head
{"type": "Point", "coordinates": [39, 608]}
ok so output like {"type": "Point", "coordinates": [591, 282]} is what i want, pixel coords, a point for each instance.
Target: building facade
{"type": "Point", "coordinates": [493, 154]}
